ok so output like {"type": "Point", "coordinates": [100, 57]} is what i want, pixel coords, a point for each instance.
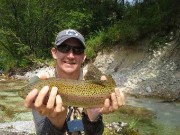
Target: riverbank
{"type": "Point", "coordinates": [141, 72]}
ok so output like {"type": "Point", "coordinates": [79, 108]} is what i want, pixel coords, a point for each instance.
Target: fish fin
{"type": "Point", "coordinates": [110, 81]}
{"type": "Point", "coordinates": [93, 73]}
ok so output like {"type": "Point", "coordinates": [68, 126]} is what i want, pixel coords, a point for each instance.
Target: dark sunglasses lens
{"type": "Point", "coordinates": [64, 48]}
{"type": "Point", "coordinates": [78, 50]}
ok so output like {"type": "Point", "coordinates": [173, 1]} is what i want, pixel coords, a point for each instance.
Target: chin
{"type": "Point", "coordinates": [70, 66]}
{"type": "Point", "coordinates": [70, 69]}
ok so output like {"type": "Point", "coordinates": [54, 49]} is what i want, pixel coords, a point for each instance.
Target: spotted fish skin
{"type": "Point", "coordinates": [85, 93]}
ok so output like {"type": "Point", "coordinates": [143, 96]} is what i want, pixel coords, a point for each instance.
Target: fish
{"type": "Point", "coordinates": [78, 93]}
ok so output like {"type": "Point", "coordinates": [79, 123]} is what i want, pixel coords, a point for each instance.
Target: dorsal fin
{"type": "Point", "coordinates": [93, 73]}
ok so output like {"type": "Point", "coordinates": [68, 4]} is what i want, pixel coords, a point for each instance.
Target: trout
{"type": "Point", "coordinates": [77, 93]}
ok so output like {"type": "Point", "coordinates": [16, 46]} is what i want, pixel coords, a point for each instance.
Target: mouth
{"type": "Point", "coordinates": [70, 62]}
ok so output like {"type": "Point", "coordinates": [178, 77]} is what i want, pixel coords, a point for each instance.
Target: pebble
{"type": "Point", "coordinates": [116, 126]}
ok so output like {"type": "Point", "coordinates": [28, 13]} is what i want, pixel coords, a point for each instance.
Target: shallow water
{"type": "Point", "coordinates": [148, 116]}
{"type": "Point", "coordinates": [11, 105]}
{"type": "Point", "coordinates": [167, 115]}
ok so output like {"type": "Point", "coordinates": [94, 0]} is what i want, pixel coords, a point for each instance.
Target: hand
{"type": "Point", "coordinates": [110, 105]}
{"type": "Point", "coordinates": [50, 106]}
{"type": "Point", "coordinates": [117, 100]}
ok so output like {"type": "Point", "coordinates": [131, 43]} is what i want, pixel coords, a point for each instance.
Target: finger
{"type": "Point", "coordinates": [105, 109]}
{"type": "Point", "coordinates": [103, 78]}
{"type": "Point", "coordinates": [58, 103]}
{"type": "Point", "coordinates": [114, 102]}
{"type": "Point", "coordinates": [58, 108]}
{"type": "Point", "coordinates": [52, 98]}
{"type": "Point", "coordinates": [120, 97]}
{"type": "Point", "coordinates": [41, 96]}
{"type": "Point", "coordinates": [29, 101]}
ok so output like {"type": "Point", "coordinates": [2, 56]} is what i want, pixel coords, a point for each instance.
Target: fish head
{"type": "Point", "coordinates": [26, 89]}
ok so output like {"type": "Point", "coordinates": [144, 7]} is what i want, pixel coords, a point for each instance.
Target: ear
{"type": "Point", "coordinates": [54, 53]}
{"type": "Point", "coordinates": [84, 58]}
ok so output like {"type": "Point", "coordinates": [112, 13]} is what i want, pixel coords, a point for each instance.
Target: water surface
{"type": "Point", "coordinates": [149, 116]}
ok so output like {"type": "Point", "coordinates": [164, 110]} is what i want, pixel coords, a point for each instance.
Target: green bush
{"type": "Point", "coordinates": [119, 32]}
{"type": "Point", "coordinates": [93, 43]}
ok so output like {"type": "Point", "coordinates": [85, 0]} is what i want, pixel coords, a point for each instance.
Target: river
{"type": "Point", "coordinates": [149, 116]}
{"type": "Point", "coordinates": [166, 119]}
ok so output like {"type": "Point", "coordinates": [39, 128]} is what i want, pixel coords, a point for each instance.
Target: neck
{"type": "Point", "coordinates": [60, 74]}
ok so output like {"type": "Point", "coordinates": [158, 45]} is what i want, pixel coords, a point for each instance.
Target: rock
{"type": "Point", "coordinates": [17, 128]}
{"type": "Point", "coordinates": [148, 89]}
{"type": "Point", "coordinates": [2, 80]}
{"type": "Point", "coordinates": [20, 77]}
{"type": "Point", "coordinates": [116, 126]}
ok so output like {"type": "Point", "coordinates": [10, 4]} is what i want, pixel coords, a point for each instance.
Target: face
{"type": "Point", "coordinates": [68, 62]}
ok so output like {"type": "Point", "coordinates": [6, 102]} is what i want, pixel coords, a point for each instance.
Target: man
{"type": "Point", "coordinates": [50, 116]}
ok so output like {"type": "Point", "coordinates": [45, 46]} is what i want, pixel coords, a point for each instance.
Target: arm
{"type": "Point", "coordinates": [49, 114]}
{"type": "Point", "coordinates": [44, 126]}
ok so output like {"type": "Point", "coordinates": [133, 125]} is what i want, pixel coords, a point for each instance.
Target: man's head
{"type": "Point", "coordinates": [67, 34]}
{"type": "Point", "coordinates": [69, 51]}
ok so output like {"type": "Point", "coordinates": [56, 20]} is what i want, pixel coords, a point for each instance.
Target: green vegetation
{"type": "Point", "coordinates": [28, 28]}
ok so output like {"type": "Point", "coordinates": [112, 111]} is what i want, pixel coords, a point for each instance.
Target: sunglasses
{"type": "Point", "coordinates": [65, 48]}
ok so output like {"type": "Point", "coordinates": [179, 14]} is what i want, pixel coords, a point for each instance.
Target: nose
{"type": "Point", "coordinates": [70, 54]}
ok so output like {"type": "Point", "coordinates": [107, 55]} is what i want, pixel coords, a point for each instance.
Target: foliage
{"type": "Point", "coordinates": [93, 43]}
{"type": "Point", "coordinates": [12, 50]}
{"type": "Point", "coordinates": [119, 32]}
{"type": "Point", "coordinates": [28, 28]}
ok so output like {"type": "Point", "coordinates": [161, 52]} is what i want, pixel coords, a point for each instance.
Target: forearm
{"type": "Point", "coordinates": [45, 127]}
{"type": "Point", "coordinates": [58, 122]}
